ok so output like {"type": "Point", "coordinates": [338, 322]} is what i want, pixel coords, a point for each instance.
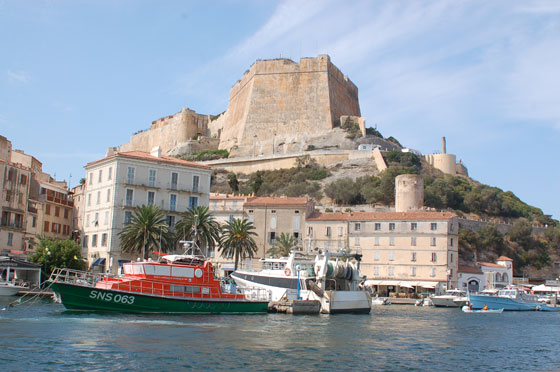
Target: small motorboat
{"type": "Point", "coordinates": [466, 309]}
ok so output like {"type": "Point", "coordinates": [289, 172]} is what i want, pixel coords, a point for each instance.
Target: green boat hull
{"type": "Point", "coordinates": [75, 297]}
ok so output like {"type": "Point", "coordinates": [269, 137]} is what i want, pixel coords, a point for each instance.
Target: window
{"type": "Point", "coordinates": [272, 237]}
{"type": "Point", "coordinates": [451, 242]}
{"type": "Point", "coordinates": [170, 221]}
{"type": "Point", "coordinates": [33, 221]}
{"type": "Point", "coordinates": [8, 195]}
{"type": "Point", "coordinates": [391, 256]}
{"type": "Point", "coordinates": [296, 222]}
{"type": "Point", "coordinates": [413, 258]}
{"type": "Point", "coordinates": [451, 257]}
{"type": "Point", "coordinates": [328, 232]}
{"type": "Point", "coordinates": [10, 238]}
{"type": "Point", "coordinates": [296, 211]}
{"type": "Point", "coordinates": [376, 270]}
{"type": "Point", "coordinates": [174, 178]}
{"type": "Point", "coordinates": [129, 197]}
{"type": "Point", "coordinates": [91, 178]}
{"type": "Point", "coordinates": [193, 202]}
{"type": "Point", "coordinates": [108, 199]}
{"type": "Point", "coordinates": [56, 211]}
{"type": "Point", "coordinates": [106, 218]}
{"type": "Point", "coordinates": [98, 197]}
{"type": "Point", "coordinates": [85, 241]}
{"type": "Point", "coordinates": [413, 226]}
{"type": "Point", "coordinates": [66, 213]}
{"type": "Point", "coordinates": [234, 205]}
{"type": "Point", "coordinates": [273, 211]}
{"type": "Point", "coordinates": [433, 272]}
{"type": "Point", "coordinates": [391, 271]}
{"type": "Point", "coordinates": [251, 219]}
{"type": "Point", "coordinates": [46, 226]}
{"type": "Point", "coordinates": [89, 199]}
{"type": "Point", "coordinates": [413, 241]}
{"type": "Point", "coordinates": [230, 219]}
{"type": "Point", "coordinates": [87, 220]}
{"type": "Point", "coordinates": [357, 227]}
{"type": "Point", "coordinates": [273, 222]}
{"type": "Point", "coordinates": [310, 231]}
{"type": "Point", "coordinates": [376, 256]}
{"type": "Point", "coordinates": [195, 180]}
{"type": "Point", "coordinates": [250, 211]}
{"type": "Point", "coordinates": [377, 240]}
{"type": "Point", "coordinates": [357, 240]}
{"type": "Point", "coordinates": [127, 216]}
{"type": "Point", "coordinates": [340, 231]}
{"type": "Point", "coordinates": [339, 245]}
{"type": "Point", "coordinates": [391, 227]}
{"type": "Point", "coordinates": [96, 219]}
{"type": "Point", "coordinates": [104, 239]}
{"type": "Point", "coordinates": [48, 209]}
{"type": "Point", "coordinates": [377, 226]}
{"type": "Point", "coordinates": [433, 242]}
{"type": "Point", "coordinates": [413, 271]}
{"type": "Point", "coordinates": [451, 273]}
{"type": "Point", "coordinates": [109, 173]}
{"type": "Point", "coordinates": [152, 178]}
{"type": "Point", "coordinates": [172, 202]}
{"type": "Point", "coordinates": [151, 197]}
{"type": "Point", "coordinates": [130, 177]}
{"type": "Point", "coordinates": [392, 240]}
{"type": "Point", "coordinates": [433, 226]}
{"type": "Point", "coordinates": [23, 179]}
{"type": "Point", "coordinates": [94, 240]}
{"type": "Point", "coordinates": [100, 176]}
{"type": "Point", "coordinates": [434, 257]}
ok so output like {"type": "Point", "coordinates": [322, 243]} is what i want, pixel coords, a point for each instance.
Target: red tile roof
{"type": "Point", "coordinates": [276, 201]}
{"type": "Point", "coordinates": [489, 264]}
{"type": "Point", "coordinates": [141, 155]}
{"type": "Point", "coordinates": [469, 269]}
{"type": "Point", "coordinates": [371, 216]}
{"type": "Point", "coordinates": [504, 258]}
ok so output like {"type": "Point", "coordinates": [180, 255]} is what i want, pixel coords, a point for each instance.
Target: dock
{"type": "Point", "coordinates": [295, 307]}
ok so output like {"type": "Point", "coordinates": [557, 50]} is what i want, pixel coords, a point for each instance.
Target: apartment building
{"type": "Point", "coordinates": [416, 249]}
{"type": "Point", "coordinates": [119, 183]}
{"type": "Point", "coordinates": [226, 207]}
{"type": "Point", "coordinates": [273, 216]}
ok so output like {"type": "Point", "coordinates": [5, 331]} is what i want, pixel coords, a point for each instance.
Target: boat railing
{"type": "Point", "coordinates": [149, 287]}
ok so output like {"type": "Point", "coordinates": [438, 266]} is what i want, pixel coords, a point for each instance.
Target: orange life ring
{"type": "Point", "coordinates": [287, 271]}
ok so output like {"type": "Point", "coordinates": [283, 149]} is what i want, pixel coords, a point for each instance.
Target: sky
{"type": "Point", "coordinates": [79, 76]}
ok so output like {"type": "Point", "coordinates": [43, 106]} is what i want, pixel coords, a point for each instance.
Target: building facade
{"type": "Point", "coordinates": [119, 183]}
{"type": "Point", "coordinates": [417, 249]}
{"type": "Point", "coordinates": [273, 216]}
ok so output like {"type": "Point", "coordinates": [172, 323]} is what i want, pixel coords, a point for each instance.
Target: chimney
{"type": "Point", "coordinates": [156, 151]}
{"type": "Point", "coordinates": [443, 146]}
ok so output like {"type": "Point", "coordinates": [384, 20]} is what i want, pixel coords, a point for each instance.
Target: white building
{"type": "Point", "coordinates": [123, 181]}
{"type": "Point", "coordinates": [486, 275]}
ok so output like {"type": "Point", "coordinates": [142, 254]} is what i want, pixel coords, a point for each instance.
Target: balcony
{"type": "Point", "coordinates": [67, 202]}
{"type": "Point", "coordinates": [128, 203]}
{"type": "Point", "coordinates": [183, 188]}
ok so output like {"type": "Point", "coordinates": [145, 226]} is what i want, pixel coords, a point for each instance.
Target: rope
{"type": "Point", "coordinates": [33, 299]}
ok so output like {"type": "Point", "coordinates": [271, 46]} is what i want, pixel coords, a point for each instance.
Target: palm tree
{"type": "Point", "coordinates": [146, 229]}
{"type": "Point", "coordinates": [198, 224]}
{"type": "Point", "coordinates": [283, 245]}
{"type": "Point", "coordinates": [237, 240]}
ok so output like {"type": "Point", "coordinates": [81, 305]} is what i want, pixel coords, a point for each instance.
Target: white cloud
{"type": "Point", "coordinates": [18, 77]}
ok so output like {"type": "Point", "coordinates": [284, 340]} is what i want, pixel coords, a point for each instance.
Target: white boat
{"type": "Point", "coordinates": [466, 309]}
{"type": "Point", "coordinates": [510, 298]}
{"type": "Point", "coordinates": [334, 283]}
{"type": "Point", "coordinates": [10, 289]}
{"type": "Point", "coordinates": [379, 301]}
{"type": "Point", "coordinates": [451, 298]}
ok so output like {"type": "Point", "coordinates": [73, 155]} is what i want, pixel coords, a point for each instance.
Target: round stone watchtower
{"type": "Point", "coordinates": [409, 192]}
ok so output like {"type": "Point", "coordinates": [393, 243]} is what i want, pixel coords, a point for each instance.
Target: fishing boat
{"type": "Point", "coordinates": [330, 278]}
{"type": "Point", "coordinates": [510, 298]}
{"type": "Point", "coordinates": [177, 284]}
{"type": "Point", "coordinates": [10, 289]}
{"type": "Point", "coordinates": [466, 309]}
{"type": "Point", "coordinates": [451, 298]}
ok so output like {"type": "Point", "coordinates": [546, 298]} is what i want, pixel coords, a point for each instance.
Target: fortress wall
{"type": "Point", "coordinates": [343, 94]}
{"type": "Point", "coordinates": [277, 98]}
{"type": "Point", "coordinates": [444, 162]}
{"type": "Point", "coordinates": [168, 132]}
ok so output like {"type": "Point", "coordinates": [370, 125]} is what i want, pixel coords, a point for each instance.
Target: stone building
{"type": "Point", "coordinates": [400, 249]}
{"type": "Point", "coordinates": [273, 216]}
{"type": "Point", "coordinates": [486, 275]}
{"type": "Point", "coordinates": [279, 105]}
{"type": "Point", "coordinates": [117, 184]}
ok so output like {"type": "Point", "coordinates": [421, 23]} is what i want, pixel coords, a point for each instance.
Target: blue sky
{"type": "Point", "coordinates": [79, 76]}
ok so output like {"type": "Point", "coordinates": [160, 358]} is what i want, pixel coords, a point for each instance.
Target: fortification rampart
{"type": "Point", "coordinates": [285, 101]}
{"type": "Point", "coordinates": [168, 132]}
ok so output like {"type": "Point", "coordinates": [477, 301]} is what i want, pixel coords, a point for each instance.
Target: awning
{"type": "Point", "coordinates": [545, 288]}
{"type": "Point", "coordinates": [99, 261]}
{"type": "Point", "coordinates": [402, 283]}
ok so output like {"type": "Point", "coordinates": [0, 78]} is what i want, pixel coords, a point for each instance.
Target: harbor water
{"type": "Point", "coordinates": [45, 337]}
